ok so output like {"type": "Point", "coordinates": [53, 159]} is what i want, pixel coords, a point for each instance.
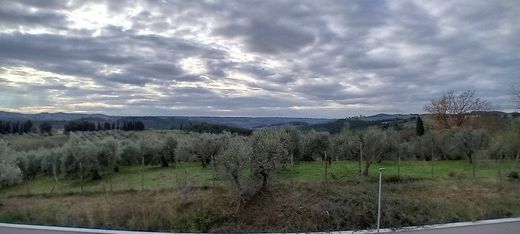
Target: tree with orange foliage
{"type": "Point", "coordinates": [452, 109]}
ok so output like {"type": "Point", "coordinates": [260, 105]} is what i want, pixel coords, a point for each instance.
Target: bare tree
{"type": "Point", "coordinates": [451, 109]}
{"type": "Point", "coordinates": [516, 95]}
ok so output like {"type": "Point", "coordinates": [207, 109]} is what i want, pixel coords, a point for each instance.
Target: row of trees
{"type": "Point", "coordinates": [74, 126]}
{"type": "Point", "coordinates": [7, 127]}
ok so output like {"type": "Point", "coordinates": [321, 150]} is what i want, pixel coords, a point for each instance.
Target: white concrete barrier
{"type": "Point", "coordinates": [502, 226]}
{"type": "Point", "coordinates": [498, 226]}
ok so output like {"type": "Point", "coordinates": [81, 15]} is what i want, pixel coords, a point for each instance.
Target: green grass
{"type": "Point", "coordinates": [128, 178]}
{"type": "Point", "coordinates": [312, 171]}
{"type": "Point", "coordinates": [192, 174]}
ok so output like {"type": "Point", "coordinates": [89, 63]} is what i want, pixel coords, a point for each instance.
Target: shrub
{"type": "Point", "coordinates": [513, 175]}
{"type": "Point", "coordinates": [452, 174]}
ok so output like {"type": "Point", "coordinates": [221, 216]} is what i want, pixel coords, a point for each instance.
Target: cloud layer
{"type": "Point", "coordinates": [254, 58]}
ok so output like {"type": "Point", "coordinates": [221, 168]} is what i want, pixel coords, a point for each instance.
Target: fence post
{"type": "Point", "coordinates": [379, 200]}
{"type": "Point", "coordinates": [81, 176]}
{"type": "Point", "coordinates": [142, 173]}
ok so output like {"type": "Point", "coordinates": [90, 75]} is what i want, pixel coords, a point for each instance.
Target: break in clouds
{"type": "Point", "coordinates": [254, 58]}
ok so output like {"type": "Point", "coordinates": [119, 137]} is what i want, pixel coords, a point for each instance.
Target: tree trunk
{"type": "Point", "coordinates": [238, 186]}
{"type": "Point", "coordinates": [474, 163]}
{"type": "Point", "coordinates": [326, 166]}
{"type": "Point", "coordinates": [164, 162]}
{"type": "Point", "coordinates": [54, 175]}
{"type": "Point", "coordinates": [26, 185]}
{"type": "Point", "coordinates": [516, 160]}
{"type": "Point", "coordinates": [499, 170]}
{"type": "Point", "coordinates": [214, 169]}
{"type": "Point", "coordinates": [367, 166]}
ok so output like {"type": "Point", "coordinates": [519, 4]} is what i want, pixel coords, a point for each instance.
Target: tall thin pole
{"type": "Point", "coordinates": [81, 176]}
{"type": "Point", "coordinates": [292, 170]}
{"type": "Point", "coordinates": [431, 152]}
{"type": "Point", "coordinates": [379, 200]}
{"type": "Point", "coordinates": [142, 173]}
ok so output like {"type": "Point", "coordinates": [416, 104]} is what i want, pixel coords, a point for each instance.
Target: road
{"type": "Point", "coordinates": [502, 226]}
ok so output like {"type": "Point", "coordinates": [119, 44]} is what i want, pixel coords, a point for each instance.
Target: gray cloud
{"type": "Point", "coordinates": [268, 37]}
{"type": "Point", "coordinates": [254, 58]}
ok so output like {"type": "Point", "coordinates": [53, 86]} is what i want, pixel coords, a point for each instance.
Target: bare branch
{"type": "Point", "coordinates": [515, 90]}
{"type": "Point", "coordinates": [451, 109]}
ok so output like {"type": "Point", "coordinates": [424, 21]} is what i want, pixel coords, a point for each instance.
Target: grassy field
{"type": "Point", "coordinates": [193, 175]}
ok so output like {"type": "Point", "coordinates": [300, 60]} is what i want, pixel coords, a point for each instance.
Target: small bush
{"type": "Point", "coordinates": [513, 175]}
{"type": "Point", "coordinates": [452, 174]}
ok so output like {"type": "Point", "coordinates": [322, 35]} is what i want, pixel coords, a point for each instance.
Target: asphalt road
{"type": "Point", "coordinates": [502, 226]}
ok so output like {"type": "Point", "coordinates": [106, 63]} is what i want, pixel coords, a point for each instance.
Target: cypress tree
{"type": "Point", "coordinates": [419, 127]}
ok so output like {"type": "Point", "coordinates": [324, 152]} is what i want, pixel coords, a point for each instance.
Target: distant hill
{"type": "Point", "coordinates": [355, 123]}
{"type": "Point", "coordinates": [59, 116]}
{"type": "Point", "coordinates": [161, 122]}
{"type": "Point", "coordinates": [387, 117]}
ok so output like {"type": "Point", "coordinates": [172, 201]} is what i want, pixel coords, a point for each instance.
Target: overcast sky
{"type": "Point", "coordinates": [254, 58]}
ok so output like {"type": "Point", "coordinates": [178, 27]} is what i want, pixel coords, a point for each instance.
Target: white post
{"type": "Point", "coordinates": [379, 200]}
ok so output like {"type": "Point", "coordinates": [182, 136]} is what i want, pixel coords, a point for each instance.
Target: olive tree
{"type": "Point", "coordinates": [205, 147]}
{"type": "Point", "coordinates": [379, 145]}
{"type": "Point", "coordinates": [267, 150]}
{"type": "Point", "coordinates": [109, 153]}
{"type": "Point", "coordinates": [315, 145]}
{"type": "Point", "coordinates": [234, 161]}
{"type": "Point", "coordinates": [130, 152]}
{"type": "Point", "coordinates": [80, 158]}
{"type": "Point", "coordinates": [149, 150]}
{"type": "Point", "coordinates": [9, 173]}
{"type": "Point", "coordinates": [349, 145]}
{"type": "Point", "coordinates": [291, 139]}
{"type": "Point", "coordinates": [467, 142]}
{"type": "Point", "coordinates": [506, 144]}
{"type": "Point", "coordinates": [30, 162]}
{"type": "Point", "coordinates": [156, 151]}
{"type": "Point", "coordinates": [167, 151]}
